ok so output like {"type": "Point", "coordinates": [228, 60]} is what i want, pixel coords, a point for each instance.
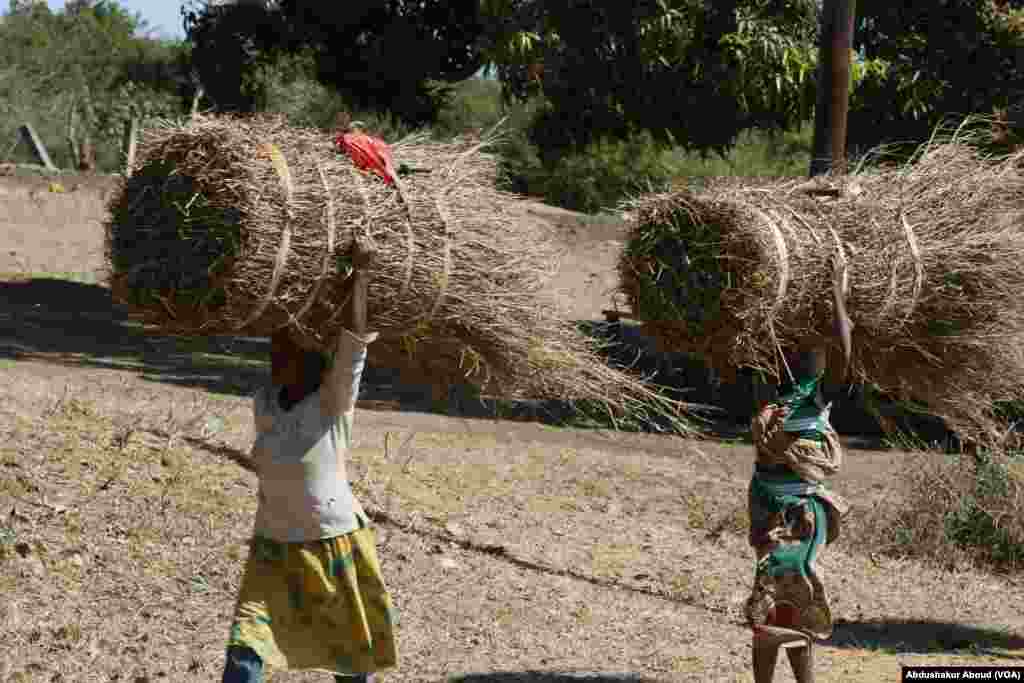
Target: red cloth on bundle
{"type": "Point", "coordinates": [368, 154]}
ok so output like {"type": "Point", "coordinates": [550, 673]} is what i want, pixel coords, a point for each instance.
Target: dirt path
{"type": "Point", "coordinates": [509, 547]}
{"type": "Point", "coordinates": [516, 552]}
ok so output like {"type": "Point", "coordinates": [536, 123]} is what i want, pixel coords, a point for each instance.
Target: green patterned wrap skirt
{"type": "Point", "coordinates": [792, 517]}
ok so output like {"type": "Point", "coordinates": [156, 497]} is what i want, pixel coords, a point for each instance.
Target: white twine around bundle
{"type": "Point", "coordinates": [366, 223]}
{"type": "Point", "coordinates": [449, 237]}
{"type": "Point", "coordinates": [791, 231]}
{"type": "Point", "coordinates": [284, 175]}
{"type": "Point", "coordinates": [840, 282]}
{"type": "Point", "coordinates": [841, 267]}
{"type": "Point", "coordinates": [782, 286]}
{"type": "Point", "coordinates": [442, 210]}
{"type": "Point", "coordinates": [783, 254]}
{"type": "Point", "coordinates": [410, 238]}
{"type": "Point", "coordinates": [331, 225]}
{"type": "Point", "coordinates": [890, 299]}
{"type": "Point", "coordinates": [915, 251]}
{"type": "Point", "coordinates": [806, 223]}
{"type": "Point", "coordinates": [280, 165]}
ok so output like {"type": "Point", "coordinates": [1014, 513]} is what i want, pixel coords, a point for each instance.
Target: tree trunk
{"type": "Point", "coordinates": [131, 128]}
{"type": "Point", "coordinates": [833, 102]}
{"type": "Point", "coordinates": [195, 101]}
{"type": "Point", "coordinates": [72, 134]}
{"type": "Point", "coordinates": [87, 156]}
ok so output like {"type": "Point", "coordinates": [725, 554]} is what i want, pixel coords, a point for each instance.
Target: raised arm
{"type": "Point", "coordinates": [837, 378]}
{"type": "Point", "coordinates": [363, 258]}
{"type": "Point", "coordinates": [842, 327]}
{"type": "Point", "coordinates": [340, 386]}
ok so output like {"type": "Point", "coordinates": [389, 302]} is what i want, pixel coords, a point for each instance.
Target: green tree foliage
{"type": "Point", "coordinates": [616, 87]}
{"type": "Point", "coordinates": [82, 72]}
{"type": "Point", "coordinates": [938, 60]}
{"type": "Point", "coordinates": [691, 72]}
{"type": "Point", "coordinates": [231, 44]}
{"type": "Point", "coordinates": [607, 170]}
{"type": "Point", "coordinates": [289, 86]}
{"type": "Point", "coordinates": [398, 56]}
{"type": "Point", "coordinates": [476, 105]}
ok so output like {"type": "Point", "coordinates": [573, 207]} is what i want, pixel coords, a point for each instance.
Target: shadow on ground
{"type": "Point", "coordinates": [548, 677]}
{"type": "Point", "coordinates": [78, 324]}
{"type": "Point", "coordinates": [925, 637]}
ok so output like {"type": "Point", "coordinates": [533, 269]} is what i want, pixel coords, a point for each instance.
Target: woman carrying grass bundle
{"type": "Point", "coordinates": [312, 596]}
{"type": "Point", "coordinates": [792, 514]}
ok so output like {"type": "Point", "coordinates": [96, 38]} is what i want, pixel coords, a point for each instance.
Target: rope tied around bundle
{"type": "Point", "coordinates": [284, 175]}
{"type": "Point", "coordinates": [782, 283]}
{"type": "Point", "coordinates": [331, 226]}
{"type": "Point", "coordinates": [915, 252]}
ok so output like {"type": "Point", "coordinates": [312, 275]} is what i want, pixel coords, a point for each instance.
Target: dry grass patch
{"type": "Point", "coordinates": [676, 528]}
{"type": "Point", "coordinates": [113, 528]}
{"type": "Point", "coordinates": [952, 510]}
{"type": "Point", "coordinates": [601, 515]}
{"type": "Point", "coordinates": [462, 442]}
{"type": "Point", "coordinates": [148, 574]}
{"type": "Point", "coordinates": [615, 559]}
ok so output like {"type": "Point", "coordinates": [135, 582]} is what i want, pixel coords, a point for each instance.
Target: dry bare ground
{"type": "Point", "coordinates": [516, 552]}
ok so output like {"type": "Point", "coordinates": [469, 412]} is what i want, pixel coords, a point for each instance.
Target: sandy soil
{"type": "Point", "coordinates": [516, 551]}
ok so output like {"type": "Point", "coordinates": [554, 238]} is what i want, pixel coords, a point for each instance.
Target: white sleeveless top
{"type": "Point", "coordinates": [304, 493]}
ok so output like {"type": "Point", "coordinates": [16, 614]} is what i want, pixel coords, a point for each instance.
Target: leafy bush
{"type": "Point", "coordinates": [756, 154]}
{"type": "Point", "coordinates": [988, 518]}
{"type": "Point", "coordinates": [607, 171]}
{"type": "Point", "coordinates": [524, 173]}
{"type": "Point", "coordinates": [476, 104]}
{"type": "Point", "coordinates": [523, 170]}
{"type": "Point", "coordinates": [955, 510]}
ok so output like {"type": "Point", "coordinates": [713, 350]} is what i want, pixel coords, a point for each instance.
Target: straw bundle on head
{"type": "Point", "coordinates": [232, 225]}
{"type": "Point", "coordinates": [930, 254]}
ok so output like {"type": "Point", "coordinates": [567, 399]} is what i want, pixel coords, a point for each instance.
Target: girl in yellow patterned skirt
{"type": "Point", "coordinates": [312, 596]}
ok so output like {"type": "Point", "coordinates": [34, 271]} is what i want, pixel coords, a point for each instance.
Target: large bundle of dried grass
{"type": "Point", "coordinates": [231, 225]}
{"type": "Point", "coordinates": [931, 254]}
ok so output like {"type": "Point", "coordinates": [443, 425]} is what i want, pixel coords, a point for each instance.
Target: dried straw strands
{"type": "Point", "coordinates": [930, 254]}
{"type": "Point", "coordinates": [232, 225]}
